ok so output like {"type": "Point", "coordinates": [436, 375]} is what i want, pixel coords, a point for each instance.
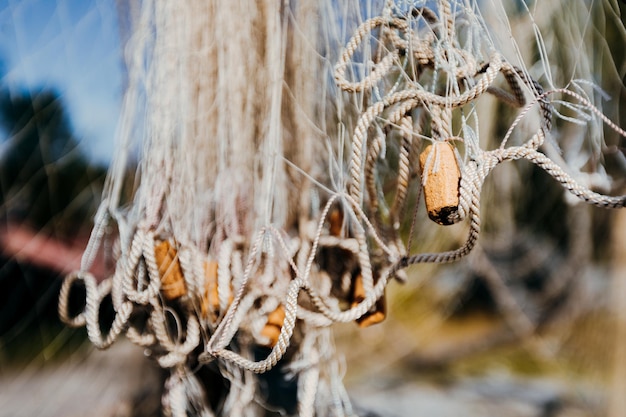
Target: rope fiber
{"type": "Point", "coordinates": [244, 234]}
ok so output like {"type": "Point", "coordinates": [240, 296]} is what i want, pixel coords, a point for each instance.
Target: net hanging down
{"type": "Point", "coordinates": [243, 239]}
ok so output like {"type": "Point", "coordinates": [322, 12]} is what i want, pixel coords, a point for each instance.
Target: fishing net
{"type": "Point", "coordinates": [269, 165]}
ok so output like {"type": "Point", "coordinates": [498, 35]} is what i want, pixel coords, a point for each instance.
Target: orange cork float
{"type": "Point", "coordinates": [210, 301]}
{"type": "Point", "coordinates": [441, 186]}
{"type": "Point", "coordinates": [274, 324]}
{"type": "Point", "coordinates": [172, 280]}
{"type": "Point", "coordinates": [335, 219]}
{"type": "Point", "coordinates": [374, 316]}
{"type": "Point", "coordinates": [210, 306]}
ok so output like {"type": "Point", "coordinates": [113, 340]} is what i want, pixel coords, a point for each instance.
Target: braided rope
{"type": "Point", "coordinates": [382, 67]}
{"type": "Point", "coordinates": [90, 315]}
{"type": "Point", "coordinates": [404, 171]}
{"type": "Point", "coordinates": [364, 154]}
{"type": "Point", "coordinates": [371, 240]}
{"type": "Point", "coordinates": [125, 288]}
{"type": "Point", "coordinates": [362, 171]}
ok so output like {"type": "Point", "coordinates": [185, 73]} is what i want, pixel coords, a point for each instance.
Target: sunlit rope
{"type": "Point", "coordinates": [144, 289]}
{"type": "Point", "coordinates": [394, 102]}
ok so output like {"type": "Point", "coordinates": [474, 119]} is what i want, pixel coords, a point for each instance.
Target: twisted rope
{"type": "Point", "coordinates": [125, 288]}
{"type": "Point", "coordinates": [363, 160]}
{"type": "Point", "coordinates": [371, 239]}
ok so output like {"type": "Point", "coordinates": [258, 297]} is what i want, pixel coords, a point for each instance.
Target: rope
{"type": "Point", "coordinates": [420, 81]}
{"type": "Point", "coordinates": [137, 281]}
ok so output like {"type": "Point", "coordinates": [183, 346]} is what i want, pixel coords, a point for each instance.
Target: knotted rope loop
{"type": "Point", "coordinates": [66, 288]}
{"type": "Point", "coordinates": [383, 66]}
{"type": "Point", "coordinates": [398, 40]}
{"type": "Point", "coordinates": [132, 273]}
{"type": "Point", "coordinates": [120, 321]}
{"type": "Point", "coordinates": [90, 316]}
{"type": "Point", "coordinates": [177, 352]}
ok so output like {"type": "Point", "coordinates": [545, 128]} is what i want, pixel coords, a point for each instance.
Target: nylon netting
{"type": "Point", "coordinates": [280, 153]}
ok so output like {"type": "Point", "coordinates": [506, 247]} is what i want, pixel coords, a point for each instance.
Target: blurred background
{"type": "Point", "coordinates": [532, 324]}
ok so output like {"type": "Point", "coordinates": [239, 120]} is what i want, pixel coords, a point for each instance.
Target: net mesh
{"type": "Point", "coordinates": [277, 155]}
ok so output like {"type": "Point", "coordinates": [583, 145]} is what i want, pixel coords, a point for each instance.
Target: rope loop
{"type": "Point", "coordinates": [66, 288]}
{"type": "Point", "coordinates": [139, 265]}
{"type": "Point", "coordinates": [415, 86]}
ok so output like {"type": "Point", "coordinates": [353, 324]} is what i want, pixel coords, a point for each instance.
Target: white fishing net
{"type": "Point", "coordinates": [276, 156]}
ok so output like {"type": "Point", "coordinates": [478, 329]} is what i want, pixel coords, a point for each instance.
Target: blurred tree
{"type": "Point", "coordinates": [48, 186]}
{"type": "Point", "coordinates": [44, 178]}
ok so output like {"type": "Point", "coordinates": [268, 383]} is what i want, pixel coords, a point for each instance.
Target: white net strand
{"type": "Point", "coordinates": [240, 260]}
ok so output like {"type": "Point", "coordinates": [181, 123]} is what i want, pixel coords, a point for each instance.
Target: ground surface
{"type": "Point", "coordinates": [122, 382]}
{"type": "Point", "coordinates": [110, 383]}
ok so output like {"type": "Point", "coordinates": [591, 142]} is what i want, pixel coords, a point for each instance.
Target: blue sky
{"type": "Point", "coordinates": [71, 46]}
